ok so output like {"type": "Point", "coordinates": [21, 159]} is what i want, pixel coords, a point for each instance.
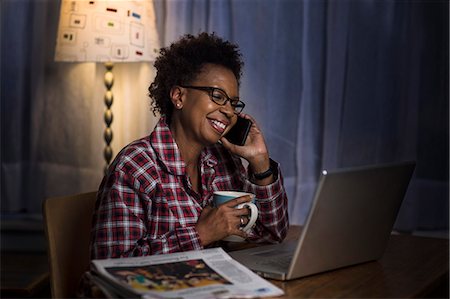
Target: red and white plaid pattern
{"type": "Point", "coordinates": [146, 205]}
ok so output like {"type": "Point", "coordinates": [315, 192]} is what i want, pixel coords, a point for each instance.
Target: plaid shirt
{"type": "Point", "coordinates": [146, 204]}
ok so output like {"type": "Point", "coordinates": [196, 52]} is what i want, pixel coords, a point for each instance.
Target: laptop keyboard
{"type": "Point", "coordinates": [281, 262]}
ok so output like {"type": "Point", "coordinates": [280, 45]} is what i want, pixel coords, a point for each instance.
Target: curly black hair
{"type": "Point", "coordinates": [183, 60]}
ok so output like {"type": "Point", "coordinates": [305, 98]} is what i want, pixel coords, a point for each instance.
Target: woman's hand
{"type": "Point", "coordinates": [254, 150]}
{"type": "Point", "coordinates": [214, 224]}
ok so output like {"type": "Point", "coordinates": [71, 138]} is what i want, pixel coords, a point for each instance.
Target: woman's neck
{"type": "Point", "coordinates": [189, 149]}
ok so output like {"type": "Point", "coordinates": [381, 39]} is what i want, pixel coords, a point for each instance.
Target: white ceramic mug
{"type": "Point", "coordinates": [221, 197]}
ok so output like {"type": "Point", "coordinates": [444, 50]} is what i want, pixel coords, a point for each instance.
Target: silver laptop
{"type": "Point", "coordinates": [350, 221]}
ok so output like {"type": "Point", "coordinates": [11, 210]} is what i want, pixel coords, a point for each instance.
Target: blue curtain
{"type": "Point", "coordinates": [332, 83]}
{"type": "Point", "coordinates": [338, 84]}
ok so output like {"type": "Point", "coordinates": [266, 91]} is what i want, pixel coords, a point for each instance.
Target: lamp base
{"type": "Point", "coordinates": [108, 115]}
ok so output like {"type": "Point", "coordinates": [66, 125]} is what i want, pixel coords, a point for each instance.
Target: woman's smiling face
{"type": "Point", "coordinates": [205, 122]}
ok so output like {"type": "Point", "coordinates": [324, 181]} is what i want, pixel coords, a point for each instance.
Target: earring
{"type": "Point", "coordinates": [178, 105]}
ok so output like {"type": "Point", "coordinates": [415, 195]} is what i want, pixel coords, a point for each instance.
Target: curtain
{"type": "Point", "coordinates": [332, 84]}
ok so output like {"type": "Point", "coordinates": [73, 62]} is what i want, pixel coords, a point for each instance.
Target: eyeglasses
{"type": "Point", "coordinates": [220, 97]}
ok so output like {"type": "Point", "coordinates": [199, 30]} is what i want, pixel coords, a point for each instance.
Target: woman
{"type": "Point", "coordinates": [157, 193]}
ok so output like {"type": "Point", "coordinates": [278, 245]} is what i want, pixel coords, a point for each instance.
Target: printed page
{"type": "Point", "coordinates": [209, 273]}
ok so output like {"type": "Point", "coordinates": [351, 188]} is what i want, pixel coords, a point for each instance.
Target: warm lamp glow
{"type": "Point", "coordinates": [107, 31]}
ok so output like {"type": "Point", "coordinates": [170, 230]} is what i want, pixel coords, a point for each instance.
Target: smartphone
{"type": "Point", "coordinates": [239, 132]}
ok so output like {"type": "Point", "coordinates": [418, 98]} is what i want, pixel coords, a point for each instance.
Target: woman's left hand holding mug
{"type": "Point", "coordinates": [217, 223]}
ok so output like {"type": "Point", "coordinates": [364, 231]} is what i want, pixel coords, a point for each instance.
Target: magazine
{"type": "Point", "coordinates": [209, 273]}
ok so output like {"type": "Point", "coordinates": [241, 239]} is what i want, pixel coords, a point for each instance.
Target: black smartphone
{"type": "Point", "coordinates": [239, 132]}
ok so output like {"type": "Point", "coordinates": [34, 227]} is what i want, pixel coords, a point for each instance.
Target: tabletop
{"type": "Point", "coordinates": [411, 267]}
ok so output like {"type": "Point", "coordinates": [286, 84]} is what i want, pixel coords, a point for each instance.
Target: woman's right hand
{"type": "Point", "coordinates": [214, 224]}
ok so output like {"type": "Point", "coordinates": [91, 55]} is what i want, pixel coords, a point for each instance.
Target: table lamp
{"type": "Point", "coordinates": [107, 31]}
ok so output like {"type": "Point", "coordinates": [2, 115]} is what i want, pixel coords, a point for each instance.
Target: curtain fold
{"type": "Point", "coordinates": [310, 120]}
{"type": "Point", "coordinates": [332, 84]}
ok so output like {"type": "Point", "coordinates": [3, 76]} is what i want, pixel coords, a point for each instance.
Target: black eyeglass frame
{"type": "Point", "coordinates": [237, 104]}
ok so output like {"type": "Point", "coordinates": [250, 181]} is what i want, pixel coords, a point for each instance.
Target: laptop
{"type": "Point", "coordinates": [350, 222]}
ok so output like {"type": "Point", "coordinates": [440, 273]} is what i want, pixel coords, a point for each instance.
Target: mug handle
{"type": "Point", "coordinates": [253, 214]}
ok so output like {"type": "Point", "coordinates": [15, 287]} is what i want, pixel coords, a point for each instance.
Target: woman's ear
{"type": "Point", "coordinates": [176, 96]}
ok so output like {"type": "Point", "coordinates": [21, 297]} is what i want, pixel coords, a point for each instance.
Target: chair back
{"type": "Point", "coordinates": [67, 222]}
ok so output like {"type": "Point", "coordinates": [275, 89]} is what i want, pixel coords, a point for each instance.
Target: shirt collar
{"type": "Point", "coordinates": [168, 152]}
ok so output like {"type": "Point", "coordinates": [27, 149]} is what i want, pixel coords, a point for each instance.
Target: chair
{"type": "Point", "coordinates": [67, 222]}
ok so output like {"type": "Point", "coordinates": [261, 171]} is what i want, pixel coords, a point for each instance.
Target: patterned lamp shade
{"type": "Point", "coordinates": [107, 31]}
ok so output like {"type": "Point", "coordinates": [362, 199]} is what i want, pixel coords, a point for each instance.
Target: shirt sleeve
{"type": "Point", "coordinates": [273, 220]}
{"type": "Point", "coordinates": [123, 218]}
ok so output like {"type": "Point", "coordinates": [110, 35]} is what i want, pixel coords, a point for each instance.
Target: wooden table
{"type": "Point", "coordinates": [411, 267]}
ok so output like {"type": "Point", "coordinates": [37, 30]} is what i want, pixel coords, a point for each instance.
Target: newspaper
{"type": "Point", "coordinates": [209, 273]}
